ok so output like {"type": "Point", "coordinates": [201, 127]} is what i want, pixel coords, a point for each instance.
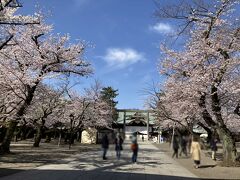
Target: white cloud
{"type": "Point", "coordinates": [161, 28]}
{"type": "Point", "coordinates": [122, 57]}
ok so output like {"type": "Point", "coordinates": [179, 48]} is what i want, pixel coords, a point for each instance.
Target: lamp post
{"type": "Point", "coordinates": [71, 116]}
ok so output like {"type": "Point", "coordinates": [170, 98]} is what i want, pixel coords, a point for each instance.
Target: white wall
{"type": "Point", "coordinates": [132, 129]}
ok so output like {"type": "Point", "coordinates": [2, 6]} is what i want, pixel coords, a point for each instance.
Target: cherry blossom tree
{"type": "Point", "coordinates": [74, 115]}
{"type": "Point", "coordinates": [170, 115]}
{"type": "Point", "coordinates": [205, 76]}
{"type": "Point", "coordinates": [86, 110]}
{"type": "Point", "coordinates": [36, 55]}
{"type": "Point", "coordinates": [96, 111]}
{"type": "Point", "coordinates": [8, 9]}
{"type": "Point", "coordinates": [8, 18]}
{"type": "Point", "coordinates": [100, 113]}
{"type": "Point", "coordinates": [45, 103]}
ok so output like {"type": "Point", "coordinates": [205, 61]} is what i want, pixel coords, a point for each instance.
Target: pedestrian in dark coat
{"type": "Point", "coordinates": [105, 144]}
{"type": "Point", "coordinates": [183, 143]}
{"type": "Point", "coordinates": [175, 146]}
{"type": "Point", "coordinates": [118, 146]}
{"type": "Point", "coordinates": [213, 145]}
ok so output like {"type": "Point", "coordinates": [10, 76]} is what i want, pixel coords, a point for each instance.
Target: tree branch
{"type": "Point", "coordinates": [6, 41]}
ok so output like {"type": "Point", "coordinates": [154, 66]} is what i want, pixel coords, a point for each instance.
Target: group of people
{"type": "Point", "coordinates": [119, 147]}
{"type": "Point", "coordinates": [193, 144]}
{"type": "Point", "coordinates": [194, 148]}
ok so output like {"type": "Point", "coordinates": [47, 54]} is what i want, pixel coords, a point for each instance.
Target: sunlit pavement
{"type": "Point", "coordinates": [152, 164]}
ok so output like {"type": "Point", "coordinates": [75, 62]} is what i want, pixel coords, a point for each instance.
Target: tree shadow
{"type": "Point", "coordinates": [7, 172]}
{"type": "Point", "coordinates": [97, 174]}
{"type": "Point", "coordinates": [25, 153]}
{"type": "Point", "coordinates": [208, 166]}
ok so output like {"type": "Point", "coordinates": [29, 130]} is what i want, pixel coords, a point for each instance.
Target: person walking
{"type": "Point", "coordinates": [189, 143]}
{"type": "Point", "coordinates": [196, 152]}
{"type": "Point", "coordinates": [105, 144]}
{"type": "Point", "coordinates": [183, 143]}
{"type": "Point", "coordinates": [134, 148]}
{"type": "Point", "coordinates": [213, 145]}
{"type": "Point", "coordinates": [118, 146]}
{"type": "Point", "coordinates": [175, 146]}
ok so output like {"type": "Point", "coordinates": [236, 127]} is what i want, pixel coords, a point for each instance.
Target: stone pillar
{"type": "Point", "coordinates": [124, 123]}
{"type": "Point", "coordinates": [147, 125]}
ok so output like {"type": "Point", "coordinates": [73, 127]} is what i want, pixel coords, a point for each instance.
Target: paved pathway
{"type": "Point", "coordinates": [152, 165]}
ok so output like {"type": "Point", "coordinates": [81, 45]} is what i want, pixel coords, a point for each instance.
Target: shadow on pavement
{"type": "Point", "coordinates": [6, 171]}
{"type": "Point", "coordinates": [88, 175]}
{"type": "Point", "coordinates": [208, 166]}
{"type": "Point", "coordinates": [102, 170]}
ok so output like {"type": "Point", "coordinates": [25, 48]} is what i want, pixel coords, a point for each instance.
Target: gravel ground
{"type": "Point", "coordinates": [209, 169]}
{"type": "Point", "coordinates": [24, 157]}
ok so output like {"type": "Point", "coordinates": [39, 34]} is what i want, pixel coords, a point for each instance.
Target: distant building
{"type": "Point", "coordinates": [139, 122]}
{"type": "Point", "coordinates": [129, 122]}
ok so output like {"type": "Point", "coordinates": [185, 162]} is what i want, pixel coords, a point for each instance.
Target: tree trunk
{"type": "Point", "coordinates": [228, 142]}
{"type": "Point", "coordinates": [5, 147]}
{"type": "Point", "coordinates": [38, 137]}
{"type": "Point", "coordinates": [60, 137]}
{"type": "Point", "coordinates": [229, 146]}
{"type": "Point", "coordinates": [3, 131]}
{"type": "Point", "coordinates": [23, 131]}
{"type": "Point", "coordinates": [48, 138]}
{"type": "Point", "coordinates": [23, 135]}
{"type": "Point", "coordinates": [55, 134]}
{"type": "Point", "coordinates": [66, 137]}
{"type": "Point", "coordinates": [79, 136]}
{"type": "Point", "coordinates": [29, 132]}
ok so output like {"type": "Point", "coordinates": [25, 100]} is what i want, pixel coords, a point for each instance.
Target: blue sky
{"type": "Point", "coordinates": [123, 38]}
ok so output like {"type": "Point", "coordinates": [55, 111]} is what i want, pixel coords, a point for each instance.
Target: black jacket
{"type": "Point", "coordinates": [105, 142]}
{"type": "Point", "coordinates": [118, 144]}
